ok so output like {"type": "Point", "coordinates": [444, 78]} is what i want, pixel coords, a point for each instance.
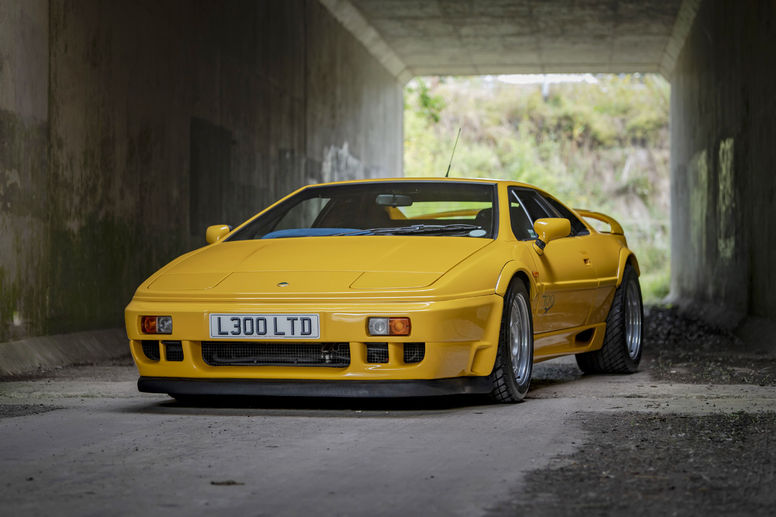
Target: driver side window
{"type": "Point", "coordinates": [536, 207]}
{"type": "Point", "coordinates": [577, 226]}
{"type": "Point", "coordinates": [524, 209]}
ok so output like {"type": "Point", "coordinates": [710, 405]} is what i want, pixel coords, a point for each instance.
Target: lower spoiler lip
{"type": "Point", "coordinates": [305, 388]}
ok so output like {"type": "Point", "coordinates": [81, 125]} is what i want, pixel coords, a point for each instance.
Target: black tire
{"type": "Point", "coordinates": [510, 384]}
{"type": "Point", "coordinates": [624, 324]}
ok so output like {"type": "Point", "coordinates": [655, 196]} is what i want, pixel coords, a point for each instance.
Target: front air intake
{"type": "Point", "coordinates": [151, 349]}
{"type": "Point", "coordinates": [414, 352]}
{"type": "Point", "coordinates": [377, 352]}
{"type": "Point", "coordinates": [173, 350]}
{"type": "Point", "coordinates": [248, 353]}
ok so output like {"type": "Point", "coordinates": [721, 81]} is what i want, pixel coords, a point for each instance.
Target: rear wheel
{"type": "Point", "coordinates": [621, 351]}
{"type": "Point", "coordinates": [512, 370]}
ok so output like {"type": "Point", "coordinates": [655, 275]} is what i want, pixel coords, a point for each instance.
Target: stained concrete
{"type": "Point", "coordinates": [127, 127]}
{"type": "Point", "coordinates": [24, 82]}
{"type": "Point", "coordinates": [35, 355]}
{"type": "Point", "coordinates": [525, 36]}
{"type": "Point", "coordinates": [723, 129]}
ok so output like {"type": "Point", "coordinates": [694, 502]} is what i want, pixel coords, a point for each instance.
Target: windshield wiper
{"type": "Point", "coordinates": [424, 228]}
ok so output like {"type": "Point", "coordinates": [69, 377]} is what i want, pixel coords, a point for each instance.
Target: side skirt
{"type": "Point", "coordinates": [550, 345]}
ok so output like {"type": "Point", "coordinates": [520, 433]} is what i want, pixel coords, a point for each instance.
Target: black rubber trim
{"type": "Point", "coordinates": [303, 388]}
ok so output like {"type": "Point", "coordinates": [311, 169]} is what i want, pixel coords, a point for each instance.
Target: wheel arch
{"type": "Point", "coordinates": [511, 271]}
{"type": "Point", "coordinates": [627, 257]}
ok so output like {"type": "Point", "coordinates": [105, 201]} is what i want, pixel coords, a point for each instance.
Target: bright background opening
{"type": "Point", "coordinates": [599, 142]}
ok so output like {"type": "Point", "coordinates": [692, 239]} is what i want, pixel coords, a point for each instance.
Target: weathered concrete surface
{"type": "Point", "coordinates": [24, 82]}
{"type": "Point", "coordinates": [104, 448]}
{"type": "Point", "coordinates": [127, 127]}
{"type": "Point", "coordinates": [525, 36]}
{"type": "Point", "coordinates": [723, 129]}
{"type": "Point", "coordinates": [42, 353]}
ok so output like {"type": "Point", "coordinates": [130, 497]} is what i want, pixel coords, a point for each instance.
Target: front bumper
{"type": "Point", "coordinates": [460, 338]}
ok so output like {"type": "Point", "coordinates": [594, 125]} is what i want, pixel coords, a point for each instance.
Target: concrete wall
{"type": "Point", "coordinates": [127, 127]}
{"type": "Point", "coordinates": [723, 145]}
{"type": "Point", "coordinates": [24, 89]}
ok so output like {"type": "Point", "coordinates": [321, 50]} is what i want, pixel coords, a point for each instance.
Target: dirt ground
{"type": "Point", "coordinates": [668, 464]}
{"type": "Point", "coordinates": [685, 350]}
{"type": "Point", "coordinates": [646, 464]}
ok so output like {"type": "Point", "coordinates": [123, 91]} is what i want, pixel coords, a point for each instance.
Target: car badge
{"type": "Point", "coordinates": [282, 284]}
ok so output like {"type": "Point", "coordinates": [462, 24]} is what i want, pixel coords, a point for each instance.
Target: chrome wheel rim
{"type": "Point", "coordinates": [520, 338]}
{"type": "Point", "coordinates": [633, 320]}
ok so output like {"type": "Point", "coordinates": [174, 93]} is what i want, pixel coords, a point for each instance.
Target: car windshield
{"type": "Point", "coordinates": [380, 208]}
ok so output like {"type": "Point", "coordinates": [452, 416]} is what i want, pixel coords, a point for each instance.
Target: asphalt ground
{"type": "Point", "coordinates": [690, 434]}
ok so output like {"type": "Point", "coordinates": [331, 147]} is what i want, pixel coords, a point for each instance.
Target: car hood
{"type": "Point", "coordinates": [316, 265]}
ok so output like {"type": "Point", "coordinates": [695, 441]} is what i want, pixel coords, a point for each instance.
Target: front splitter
{"type": "Point", "coordinates": [303, 388]}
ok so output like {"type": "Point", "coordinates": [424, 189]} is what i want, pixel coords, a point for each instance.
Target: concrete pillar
{"type": "Point", "coordinates": [723, 145]}
{"type": "Point", "coordinates": [24, 87]}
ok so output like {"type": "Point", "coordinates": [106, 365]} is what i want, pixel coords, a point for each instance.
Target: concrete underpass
{"type": "Point", "coordinates": [127, 127]}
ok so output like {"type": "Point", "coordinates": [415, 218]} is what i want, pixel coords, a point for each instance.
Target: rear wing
{"type": "Point", "coordinates": [614, 227]}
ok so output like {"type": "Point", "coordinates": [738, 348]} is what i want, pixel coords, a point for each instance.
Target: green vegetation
{"type": "Point", "coordinates": [602, 146]}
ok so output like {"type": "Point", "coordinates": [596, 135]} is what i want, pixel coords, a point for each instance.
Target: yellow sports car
{"type": "Point", "coordinates": [395, 287]}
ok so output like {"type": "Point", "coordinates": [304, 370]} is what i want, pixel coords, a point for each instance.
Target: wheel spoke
{"type": "Point", "coordinates": [520, 339]}
{"type": "Point", "coordinates": [633, 320]}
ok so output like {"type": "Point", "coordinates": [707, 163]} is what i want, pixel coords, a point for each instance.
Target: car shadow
{"type": "Point", "coordinates": [555, 372]}
{"type": "Point", "coordinates": [546, 375]}
{"type": "Point", "coordinates": [311, 406]}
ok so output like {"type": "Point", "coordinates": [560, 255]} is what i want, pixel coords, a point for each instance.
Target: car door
{"type": "Point", "coordinates": [604, 254]}
{"type": "Point", "coordinates": [565, 274]}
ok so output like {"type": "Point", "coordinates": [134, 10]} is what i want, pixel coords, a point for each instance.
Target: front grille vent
{"type": "Point", "coordinates": [377, 352]}
{"type": "Point", "coordinates": [173, 350]}
{"type": "Point", "coordinates": [249, 353]}
{"type": "Point", "coordinates": [151, 349]}
{"type": "Point", "coordinates": [414, 352]}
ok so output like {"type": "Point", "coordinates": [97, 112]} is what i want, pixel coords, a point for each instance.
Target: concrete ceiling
{"type": "Point", "coordinates": [474, 37]}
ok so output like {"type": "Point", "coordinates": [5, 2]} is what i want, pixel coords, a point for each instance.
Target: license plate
{"type": "Point", "coordinates": [264, 326]}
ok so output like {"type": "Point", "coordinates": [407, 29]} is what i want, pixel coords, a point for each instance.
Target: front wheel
{"type": "Point", "coordinates": [621, 351]}
{"type": "Point", "coordinates": [512, 369]}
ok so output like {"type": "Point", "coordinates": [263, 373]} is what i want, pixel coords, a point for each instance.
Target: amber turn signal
{"type": "Point", "coordinates": [399, 326]}
{"type": "Point", "coordinates": [389, 326]}
{"type": "Point", "coordinates": [156, 324]}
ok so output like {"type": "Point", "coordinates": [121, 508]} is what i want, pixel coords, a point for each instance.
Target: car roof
{"type": "Point", "coordinates": [428, 179]}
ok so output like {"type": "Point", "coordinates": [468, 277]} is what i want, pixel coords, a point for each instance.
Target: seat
{"type": "Point", "coordinates": [352, 213]}
{"type": "Point", "coordinates": [484, 219]}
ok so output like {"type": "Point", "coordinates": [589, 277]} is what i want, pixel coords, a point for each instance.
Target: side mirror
{"type": "Point", "coordinates": [550, 229]}
{"type": "Point", "coordinates": [216, 232]}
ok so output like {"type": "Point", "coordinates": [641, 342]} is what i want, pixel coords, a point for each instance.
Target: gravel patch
{"type": "Point", "coordinates": [681, 349]}
{"type": "Point", "coordinates": [646, 464]}
{"type": "Point", "coordinates": [13, 410]}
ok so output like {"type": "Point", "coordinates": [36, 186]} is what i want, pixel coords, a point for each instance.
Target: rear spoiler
{"type": "Point", "coordinates": [614, 227]}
